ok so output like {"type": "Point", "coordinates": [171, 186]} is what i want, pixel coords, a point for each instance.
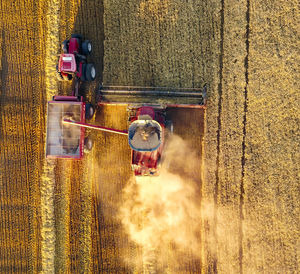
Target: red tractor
{"type": "Point", "coordinates": [73, 61]}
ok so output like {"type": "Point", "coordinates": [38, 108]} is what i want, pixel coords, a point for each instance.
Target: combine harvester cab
{"type": "Point", "coordinates": [148, 127]}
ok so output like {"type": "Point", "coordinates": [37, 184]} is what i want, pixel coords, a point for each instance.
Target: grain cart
{"type": "Point", "coordinates": [148, 126]}
{"type": "Point", "coordinates": [63, 140]}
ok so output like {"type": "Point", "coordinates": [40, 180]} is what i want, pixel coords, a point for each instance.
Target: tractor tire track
{"type": "Point", "coordinates": [243, 159]}
{"type": "Point", "coordinates": [219, 128]}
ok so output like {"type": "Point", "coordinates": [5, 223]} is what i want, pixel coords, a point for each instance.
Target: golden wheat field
{"type": "Point", "coordinates": [227, 199]}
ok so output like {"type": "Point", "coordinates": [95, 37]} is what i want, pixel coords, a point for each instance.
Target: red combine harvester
{"type": "Point", "coordinates": [63, 140]}
{"type": "Point", "coordinates": [148, 126]}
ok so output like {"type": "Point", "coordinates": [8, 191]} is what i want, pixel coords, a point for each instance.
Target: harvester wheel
{"type": "Point", "coordinates": [88, 144]}
{"type": "Point", "coordinates": [86, 47]}
{"type": "Point", "coordinates": [90, 72]}
{"type": "Point", "coordinates": [89, 111]}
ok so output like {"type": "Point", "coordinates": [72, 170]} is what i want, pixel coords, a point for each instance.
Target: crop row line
{"type": "Point", "coordinates": [243, 160]}
{"type": "Point", "coordinates": [219, 121]}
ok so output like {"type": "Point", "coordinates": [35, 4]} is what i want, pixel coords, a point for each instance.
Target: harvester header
{"type": "Point", "coordinates": [166, 97]}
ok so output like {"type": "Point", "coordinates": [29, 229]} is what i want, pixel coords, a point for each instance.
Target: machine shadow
{"type": "Point", "coordinates": [89, 23]}
{"type": "Point", "coordinates": [105, 230]}
{"type": "Point", "coordinates": [110, 155]}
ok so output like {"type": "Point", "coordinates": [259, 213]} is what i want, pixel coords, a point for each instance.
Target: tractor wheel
{"type": "Point", "coordinates": [64, 46]}
{"type": "Point", "coordinates": [88, 144]}
{"type": "Point", "coordinates": [70, 77]}
{"type": "Point", "coordinates": [58, 74]}
{"type": "Point", "coordinates": [82, 77]}
{"type": "Point", "coordinates": [86, 47]}
{"type": "Point", "coordinates": [89, 111]}
{"type": "Point", "coordinates": [90, 72]}
{"type": "Point", "coordinates": [78, 36]}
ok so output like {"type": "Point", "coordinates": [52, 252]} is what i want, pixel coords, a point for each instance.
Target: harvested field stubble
{"type": "Point", "coordinates": [21, 134]}
{"type": "Point", "coordinates": [247, 52]}
{"type": "Point", "coordinates": [112, 251]}
{"type": "Point", "coordinates": [48, 230]}
{"type": "Point", "coordinates": [162, 213]}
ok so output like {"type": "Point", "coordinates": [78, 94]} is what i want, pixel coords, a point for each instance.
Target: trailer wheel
{"type": "Point", "coordinates": [89, 111]}
{"type": "Point", "coordinates": [86, 47]}
{"type": "Point", "coordinates": [90, 72]}
{"type": "Point", "coordinates": [88, 144]}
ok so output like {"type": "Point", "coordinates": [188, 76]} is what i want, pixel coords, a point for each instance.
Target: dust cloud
{"type": "Point", "coordinates": [162, 214]}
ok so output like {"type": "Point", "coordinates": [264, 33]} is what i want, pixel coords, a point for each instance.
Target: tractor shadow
{"type": "Point", "coordinates": [107, 178]}
{"type": "Point", "coordinates": [89, 23]}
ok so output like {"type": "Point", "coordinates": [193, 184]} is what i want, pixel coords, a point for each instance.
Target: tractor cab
{"type": "Point", "coordinates": [67, 63]}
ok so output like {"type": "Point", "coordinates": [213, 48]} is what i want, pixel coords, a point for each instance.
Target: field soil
{"type": "Point", "coordinates": [227, 200]}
